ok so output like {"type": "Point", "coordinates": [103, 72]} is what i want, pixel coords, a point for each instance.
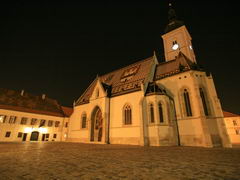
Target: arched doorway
{"type": "Point", "coordinates": [96, 125]}
{"type": "Point", "coordinates": [34, 136]}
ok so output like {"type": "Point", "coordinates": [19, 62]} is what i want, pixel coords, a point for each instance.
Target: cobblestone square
{"type": "Point", "coordinates": [54, 160]}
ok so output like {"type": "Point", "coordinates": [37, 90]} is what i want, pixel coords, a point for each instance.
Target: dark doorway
{"type": "Point", "coordinates": [43, 137]}
{"type": "Point", "coordinates": [34, 136]}
{"type": "Point", "coordinates": [96, 124]}
{"type": "Point", "coordinates": [24, 137]}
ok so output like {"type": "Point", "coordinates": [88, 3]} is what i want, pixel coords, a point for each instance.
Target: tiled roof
{"type": "Point", "coordinates": [229, 114]}
{"type": "Point", "coordinates": [180, 64]}
{"type": "Point", "coordinates": [67, 111]}
{"type": "Point", "coordinates": [15, 100]}
{"type": "Point", "coordinates": [124, 80]}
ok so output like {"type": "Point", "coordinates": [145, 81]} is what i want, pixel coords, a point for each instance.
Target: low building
{"type": "Point", "coordinates": [232, 122]}
{"type": "Point", "coordinates": [26, 117]}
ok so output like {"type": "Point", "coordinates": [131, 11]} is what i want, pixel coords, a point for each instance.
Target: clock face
{"type": "Point", "coordinates": [175, 46]}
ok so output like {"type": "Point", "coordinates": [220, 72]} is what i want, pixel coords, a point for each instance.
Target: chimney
{"type": "Point", "coordinates": [43, 96]}
{"type": "Point", "coordinates": [22, 92]}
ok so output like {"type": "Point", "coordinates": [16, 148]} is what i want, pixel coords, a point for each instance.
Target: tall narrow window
{"type": "Point", "coordinates": [127, 115]}
{"type": "Point", "coordinates": [151, 113]}
{"type": "Point", "coordinates": [160, 111]}
{"type": "Point", "coordinates": [187, 103]}
{"type": "Point", "coordinates": [84, 120]}
{"type": "Point", "coordinates": [204, 102]}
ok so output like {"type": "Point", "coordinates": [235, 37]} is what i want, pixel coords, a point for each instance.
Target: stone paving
{"type": "Point", "coordinates": [56, 160]}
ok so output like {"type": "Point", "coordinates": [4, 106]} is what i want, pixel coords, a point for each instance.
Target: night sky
{"type": "Point", "coordinates": [58, 48]}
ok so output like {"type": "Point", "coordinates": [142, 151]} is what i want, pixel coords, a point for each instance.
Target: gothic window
{"type": "Point", "coordinates": [84, 120]}
{"type": "Point", "coordinates": [151, 108]}
{"type": "Point", "coordinates": [127, 115]}
{"type": "Point", "coordinates": [160, 111]}
{"type": "Point", "coordinates": [204, 101]}
{"type": "Point", "coordinates": [187, 103]}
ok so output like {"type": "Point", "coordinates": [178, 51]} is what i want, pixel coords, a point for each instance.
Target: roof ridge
{"type": "Point", "coordinates": [127, 66]}
{"type": "Point", "coordinates": [86, 90]}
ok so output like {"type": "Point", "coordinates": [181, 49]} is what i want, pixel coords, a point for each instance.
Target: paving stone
{"type": "Point", "coordinates": [62, 160]}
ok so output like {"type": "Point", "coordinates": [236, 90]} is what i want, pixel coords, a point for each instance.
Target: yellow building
{"type": "Point", "coordinates": [232, 122]}
{"type": "Point", "coordinates": [151, 103]}
{"type": "Point", "coordinates": [25, 117]}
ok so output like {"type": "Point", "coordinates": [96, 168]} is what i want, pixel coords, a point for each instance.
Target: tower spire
{"type": "Point", "coordinates": [173, 21]}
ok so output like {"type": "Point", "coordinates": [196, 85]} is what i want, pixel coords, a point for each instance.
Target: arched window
{"type": "Point", "coordinates": [127, 115]}
{"type": "Point", "coordinates": [84, 120]}
{"type": "Point", "coordinates": [204, 101]}
{"type": "Point", "coordinates": [187, 103]}
{"type": "Point", "coordinates": [160, 111]}
{"type": "Point", "coordinates": [151, 113]}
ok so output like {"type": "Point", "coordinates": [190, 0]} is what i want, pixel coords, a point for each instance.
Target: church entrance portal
{"type": "Point", "coordinates": [34, 136]}
{"type": "Point", "coordinates": [96, 125]}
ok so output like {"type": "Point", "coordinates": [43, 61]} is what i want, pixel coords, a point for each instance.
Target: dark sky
{"type": "Point", "coordinates": [58, 48]}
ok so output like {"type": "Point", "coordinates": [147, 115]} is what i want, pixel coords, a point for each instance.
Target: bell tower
{"type": "Point", "coordinates": [177, 38]}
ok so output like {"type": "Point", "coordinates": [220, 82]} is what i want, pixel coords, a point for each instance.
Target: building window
{"type": "Point", "coordinates": [204, 101]}
{"type": "Point", "coordinates": [234, 122]}
{"type": "Point", "coordinates": [2, 118]}
{"type": "Point", "coordinates": [237, 131]}
{"type": "Point", "coordinates": [23, 120]}
{"type": "Point", "coordinates": [57, 123]}
{"type": "Point", "coordinates": [160, 111]}
{"type": "Point", "coordinates": [50, 123]}
{"type": "Point", "coordinates": [20, 134]}
{"type": "Point", "coordinates": [151, 113]}
{"type": "Point", "coordinates": [33, 121]}
{"type": "Point", "coordinates": [42, 122]}
{"type": "Point", "coordinates": [12, 119]}
{"type": "Point", "coordinates": [54, 135]}
{"type": "Point", "coordinates": [47, 135]}
{"type": "Point", "coordinates": [84, 120]}
{"type": "Point", "coordinates": [127, 115]}
{"type": "Point", "coordinates": [8, 133]}
{"type": "Point", "coordinates": [187, 103]}
{"type": "Point", "coordinates": [66, 124]}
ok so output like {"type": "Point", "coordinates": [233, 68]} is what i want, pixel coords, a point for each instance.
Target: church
{"type": "Point", "coordinates": [148, 103]}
